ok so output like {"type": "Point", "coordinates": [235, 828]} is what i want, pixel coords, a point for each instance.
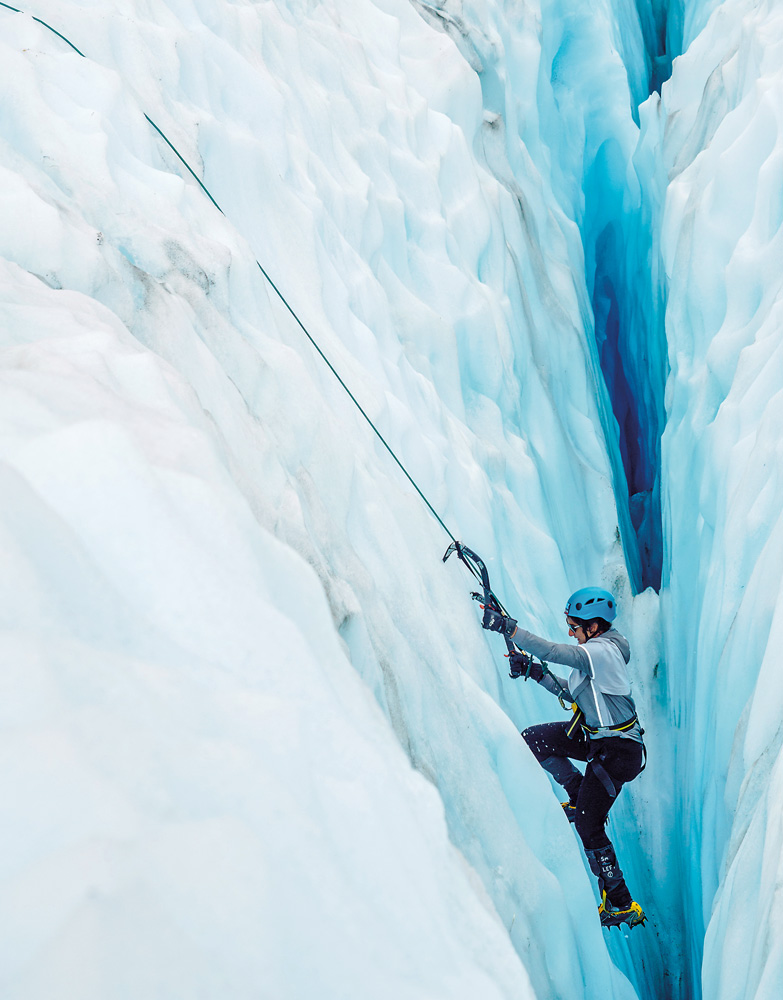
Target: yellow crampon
{"type": "Point", "coordinates": [610, 916]}
{"type": "Point", "coordinates": [570, 810]}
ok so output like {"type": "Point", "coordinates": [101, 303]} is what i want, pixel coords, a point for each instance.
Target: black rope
{"type": "Point", "coordinates": [38, 19]}
{"type": "Point", "coordinates": [277, 291]}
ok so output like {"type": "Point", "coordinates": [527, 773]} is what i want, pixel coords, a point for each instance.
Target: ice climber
{"type": "Point", "coordinates": [604, 730]}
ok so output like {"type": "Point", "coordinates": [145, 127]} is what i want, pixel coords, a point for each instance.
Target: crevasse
{"type": "Point", "coordinates": [621, 186]}
{"type": "Point", "coordinates": [595, 67]}
{"type": "Point", "coordinates": [616, 216]}
{"type": "Point", "coordinates": [685, 297]}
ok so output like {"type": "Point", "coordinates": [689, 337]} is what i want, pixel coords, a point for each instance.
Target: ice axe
{"type": "Point", "coordinates": [487, 599]}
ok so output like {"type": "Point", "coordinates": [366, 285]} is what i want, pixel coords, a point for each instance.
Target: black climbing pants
{"type": "Point", "coordinates": [615, 761]}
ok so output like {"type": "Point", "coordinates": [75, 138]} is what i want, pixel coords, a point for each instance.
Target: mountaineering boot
{"type": "Point", "coordinates": [617, 906]}
{"type": "Point", "coordinates": [569, 808]}
{"type": "Point", "coordinates": [566, 775]}
{"type": "Point", "coordinates": [572, 786]}
{"type": "Point", "coordinates": [614, 916]}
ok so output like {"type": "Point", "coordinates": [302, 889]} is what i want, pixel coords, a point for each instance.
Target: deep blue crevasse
{"type": "Point", "coordinates": [631, 352]}
{"type": "Point", "coordinates": [628, 310]}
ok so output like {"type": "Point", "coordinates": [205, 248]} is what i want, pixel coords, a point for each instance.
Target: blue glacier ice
{"type": "Point", "coordinates": [254, 741]}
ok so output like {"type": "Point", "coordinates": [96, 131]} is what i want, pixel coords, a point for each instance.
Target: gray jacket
{"type": "Point", "coordinates": [598, 681]}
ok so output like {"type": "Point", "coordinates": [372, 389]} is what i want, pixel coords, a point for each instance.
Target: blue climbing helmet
{"type": "Point", "coordinates": [591, 602]}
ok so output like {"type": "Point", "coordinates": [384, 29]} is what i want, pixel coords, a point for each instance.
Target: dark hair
{"type": "Point", "coordinates": [585, 623]}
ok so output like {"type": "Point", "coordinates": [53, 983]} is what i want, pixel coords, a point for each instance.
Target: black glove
{"type": "Point", "coordinates": [496, 622]}
{"type": "Point", "coordinates": [518, 664]}
{"type": "Point", "coordinates": [523, 665]}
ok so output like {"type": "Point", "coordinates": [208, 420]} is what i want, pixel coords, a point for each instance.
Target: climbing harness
{"type": "Point", "coordinates": [621, 727]}
{"type": "Point", "coordinates": [602, 774]}
{"type": "Point", "coordinates": [575, 724]}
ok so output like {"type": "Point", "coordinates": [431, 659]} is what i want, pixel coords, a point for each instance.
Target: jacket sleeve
{"type": "Point", "coordinates": [552, 652]}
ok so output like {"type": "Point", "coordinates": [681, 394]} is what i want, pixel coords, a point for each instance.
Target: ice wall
{"type": "Point", "coordinates": [190, 769]}
{"type": "Point", "coordinates": [199, 793]}
{"type": "Point", "coordinates": [718, 131]}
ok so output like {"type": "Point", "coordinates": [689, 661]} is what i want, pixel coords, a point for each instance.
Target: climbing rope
{"type": "Point", "coordinates": [277, 291]}
{"type": "Point", "coordinates": [38, 19]}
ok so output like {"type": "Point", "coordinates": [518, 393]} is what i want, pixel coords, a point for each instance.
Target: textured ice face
{"type": "Point", "coordinates": [199, 531]}
{"type": "Point", "coordinates": [202, 795]}
{"type": "Point", "coordinates": [721, 247]}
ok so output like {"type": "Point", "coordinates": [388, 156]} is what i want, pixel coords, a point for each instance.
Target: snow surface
{"type": "Point", "coordinates": [254, 740]}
